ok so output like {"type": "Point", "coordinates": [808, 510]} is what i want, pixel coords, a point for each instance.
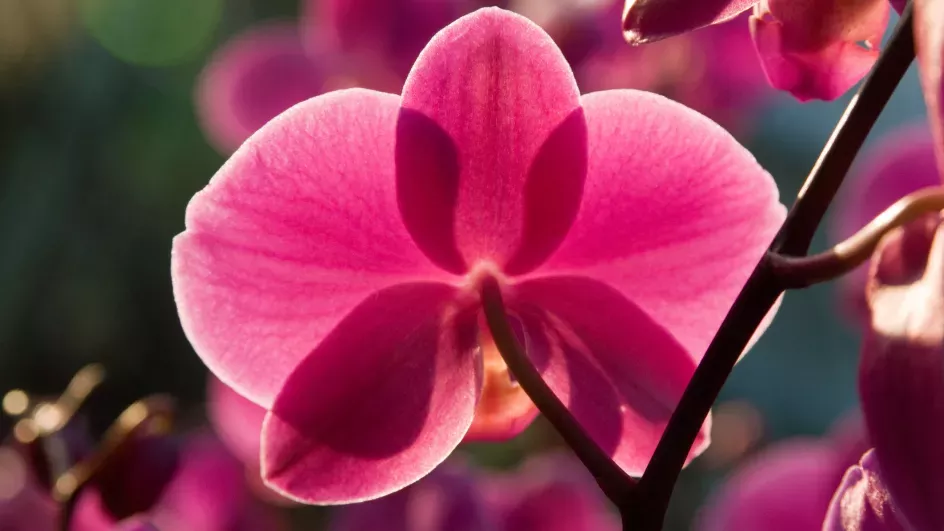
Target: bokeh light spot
{"type": "Point", "coordinates": [152, 32]}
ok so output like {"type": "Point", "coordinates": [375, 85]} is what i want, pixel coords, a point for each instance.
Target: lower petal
{"type": "Point", "coordinates": [381, 402]}
{"type": "Point", "coordinates": [620, 373]}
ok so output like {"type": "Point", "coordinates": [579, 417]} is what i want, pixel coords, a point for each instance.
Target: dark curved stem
{"type": "Point", "coordinates": [648, 507]}
{"type": "Point", "coordinates": [609, 476]}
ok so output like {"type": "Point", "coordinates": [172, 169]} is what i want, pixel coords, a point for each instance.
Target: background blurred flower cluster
{"type": "Point", "coordinates": [114, 112]}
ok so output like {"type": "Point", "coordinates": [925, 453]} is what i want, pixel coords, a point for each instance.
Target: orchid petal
{"type": "Point", "coordinates": [381, 402]}
{"type": "Point", "coordinates": [295, 230]}
{"type": "Point", "coordinates": [901, 163]}
{"type": "Point", "coordinates": [251, 80]}
{"type": "Point", "coordinates": [137, 524]}
{"type": "Point", "coordinates": [651, 20]}
{"type": "Point", "coordinates": [668, 193]}
{"type": "Point", "coordinates": [620, 373]}
{"type": "Point", "coordinates": [901, 375]}
{"type": "Point", "coordinates": [237, 421]}
{"type": "Point", "coordinates": [811, 48]}
{"type": "Point", "coordinates": [785, 488]}
{"type": "Point", "coordinates": [929, 45]}
{"type": "Point", "coordinates": [862, 502]}
{"type": "Point", "coordinates": [491, 144]}
{"type": "Point", "coordinates": [24, 504]}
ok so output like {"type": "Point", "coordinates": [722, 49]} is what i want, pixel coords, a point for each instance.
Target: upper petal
{"type": "Point", "coordinates": [862, 503]}
{"type": "Point", "coordinates": [650, 20]}
{"type": "Point", "coordinates": [381, 402]}
{"type": "Point", "coordinates": [901, 375]}
{"type": "Point", "coordinates": [252, 79]}
{"type": "Point", "coordinates": [619, 372]}
{"type": "Point", "coordinates": [491, 144]}
{"type": "Point", "coordinates": [675, 213]}
{"type": "Point", "coordinates": [929, 44]}
{"type": "Point", "coordinates": [297, 228]}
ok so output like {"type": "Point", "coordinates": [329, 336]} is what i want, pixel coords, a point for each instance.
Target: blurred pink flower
{"type": "Point", "coordinates": [330, 271]}
{"type": "Point", "coordinates": [24, 504]}
{"type": "Point", "coordinates": [650, 20]}
{"type": "Point", "coordinates": [172, 484]}
{"type": "Point", "coordinates": [549, 493]}
{"type": "Point", "coordinates": [818, 49]}
{"type": "Point", "coordinates": [787, 487]}
{"type": "Point", "coordinates": [901, 163]}
{"type": "Point", "coordinates": [929, 44]}
{"type": "Point", "coordinates": [862, 502]}
{"type": "Point", "coordinates": [901, 375]}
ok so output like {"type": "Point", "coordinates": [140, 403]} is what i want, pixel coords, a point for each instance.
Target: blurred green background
{"type": "Point", "coordinates": [100, 152]}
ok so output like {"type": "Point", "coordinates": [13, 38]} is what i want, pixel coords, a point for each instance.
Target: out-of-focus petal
{"type": "Point", "coordinates": [900, 164]}
{"type": "Point", "coordinates": [901, 375]}
{"type": "Point", "coordinates": [294, 231]}
{"type": "Point", "coordinates": [381, 402]}
{"type": "Point", "coordinates": [237, 420]}
{"type": "Point", "coordinates": [24, 506]}
{"type": "Point", "coordinates": [929, 44]}
{"type": "Point", "coordinates": [785, 488]}
{"type": "Point", "coordinates": [650, 20]}
{"type": "Point", "coordinates": [445, 500]}
{"type": "Point", "coordinates": [250, 80]}
{"type": "Point", "coordinates": [818, 49]}
{"type": "Point", "coordinates": [491, 145]}
{"type": "Point", "coordinates": [136, 524]}
{"type": "Point", "coordinates": [619, 372]}
{"type": "Point", "coordinates": [862, 502]}
{"type": "Point", "coordinates": [667, 192]}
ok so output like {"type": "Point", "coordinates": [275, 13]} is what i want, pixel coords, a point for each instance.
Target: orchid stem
{"type": "Point", "coordinates": [609, 476]}
{"type": "Point", "coordinates": [647, 507]}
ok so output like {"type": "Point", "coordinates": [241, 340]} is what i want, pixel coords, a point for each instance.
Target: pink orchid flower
{"type": "Point", "coordinates": [929, 45]}
{"type": "Point", "coordinates": [862, 502]}
{"type": "Point", "coordinates": [901, 374]}
{"type": "Point", "coordinates": [24, 504]}
{"type": "Point", "coordinates": [170, 484]}
{"type": "Point", "coordinates": [330, 272]}
{"type": "Point", "coordinates": [651, 20]}
{"type": "Point", "coordinates": [900, 163]}
{"type": "Point", "coordinates": [786, 487]}
{"type": "Point", "coordinates": [547, 493]}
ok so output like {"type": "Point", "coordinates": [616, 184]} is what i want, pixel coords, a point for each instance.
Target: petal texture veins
{"type": "Point", "coordinates": [675, 213]}
{"type": "Point", "coordinates": [650, 20]}
{"type": "Point", "coordinates": [811, 48]}
{"type": "Point", "coordinates": [491, 144]}
{"type": "Point", "coordinates": [381, 402]}
{"type": "Point", "coordinates": [251, 80]}
{"type": "Point", "coordinates": [619, 372]}
{"type": "Point", "coordinates": [901, 375]}
{"type": "Point", "coordinates": [295, 230]}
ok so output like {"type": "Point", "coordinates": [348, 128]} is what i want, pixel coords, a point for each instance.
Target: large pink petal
{"type": "Point", "coordinates": [251, 79]}
{"type": "Point", "coordinates": [785, 488]}
{"type": "Point", "coordinates": [818, 48]}
{"type": "Point", "coordinates": [675, 213]}
{"type": "Point", "coordinates": [297, 228]}
{"type": "Point", "coordinates": [903, 162]}
{"type": "Point", "coordinates": [929, 44]}
{"type": "Point", "coordinates": [862, 502]}
{"type": "Point", "coordinates": [491, 144]}
{"type": "Point", "coordinates": [382, 400]}
{"type": "Point", "coordinates": [619, 372]}
{"type": "Point", "coordinates": [650, 20]}
{"type": "Point", "coordinates": [901, 375]}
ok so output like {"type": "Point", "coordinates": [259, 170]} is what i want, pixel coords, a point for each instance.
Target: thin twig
{"type": "Point", "coordinates": [646, 509]}
{"type": "Point", "coordinates": [610, 477]}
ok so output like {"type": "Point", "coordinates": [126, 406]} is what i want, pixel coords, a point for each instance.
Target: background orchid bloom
{"type": "Point", "coordinates": [818, 49]}
{"type": "Point", "coordinates": [547, 493]}
{"type": "Point", "coordinates": [330, 270]}
{"type": "Point", "coordinates": [251, 79]}
{"type": "Point", "coordinates": [929, 46]}
{"type": "Point", "coordinates": [862, 502]}
{"type": "Point", "coordinates": [786, 487]}
{"type": "Point", "coordinates": [900, 163]}
{"type": "Point", "coordinates": [650, 20]}
{"type": "Point", "coordinates": [24, 504]}
{"type": "Point", "coordinates": [172, 484]}
{"type": "Point", "coordinates": [901, 375]}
